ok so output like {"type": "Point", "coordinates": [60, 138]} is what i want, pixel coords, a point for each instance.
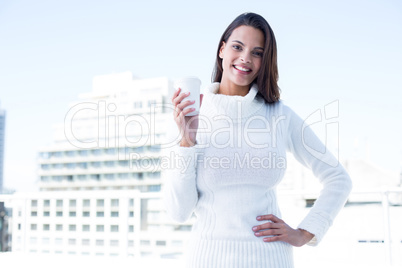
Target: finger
{"type": "Point", "coordinates": [184, 104]}
{"type": "Point", "coordinates": [180, 107]}
{"type": "Point", "coordinates": [176, 93]}
{"type": "Point", "coordinates": [187, 111]}
{"type": "Point", "coordinates": [179, 98]}
{"type": "Point", "coordinates": [269, 217]}
{"type": "Point", "coordinates": [201, 98]}
{"type": "Point", "coordinates": [273, 238]}
{"type": "Point", "coordinates": [269, 232]}
{"type": "Point", "coordinates": [268, 225]}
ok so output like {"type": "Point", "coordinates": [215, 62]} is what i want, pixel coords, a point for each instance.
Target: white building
{"type": "Point", "coordinates": [2, 134]}
{"type": "Point", "coordinates": [100, 180]}
{"type": "Point", "coordinates": [120, 223]}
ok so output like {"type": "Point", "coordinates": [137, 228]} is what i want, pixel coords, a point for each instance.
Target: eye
{"type": "Point", "coordinates": [258, 54]}
{"type": "Point", "coordinates": [236, 47]}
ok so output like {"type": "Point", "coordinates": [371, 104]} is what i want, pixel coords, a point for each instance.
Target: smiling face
{"type": "Point", "coordinates": [241, 59]}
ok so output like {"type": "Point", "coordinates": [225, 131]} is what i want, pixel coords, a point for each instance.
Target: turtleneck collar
{"type": "Point", "coordinates": [235, 107]}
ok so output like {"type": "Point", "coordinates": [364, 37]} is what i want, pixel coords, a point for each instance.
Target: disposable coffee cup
{"type": "Point", "coordinates": [190, 84]}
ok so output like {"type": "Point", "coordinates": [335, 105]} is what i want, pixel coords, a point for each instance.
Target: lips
{"type": "Point", "coordinates": [242, 68]}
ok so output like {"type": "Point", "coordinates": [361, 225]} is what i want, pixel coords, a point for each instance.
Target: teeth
{"type": "Point", "coordinates": [242, 69]}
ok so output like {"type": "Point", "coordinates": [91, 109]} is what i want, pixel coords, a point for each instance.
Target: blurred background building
{"type": "Point", "coordinates": [2, 135]}
{"type": "Point", "coordinates": [100, 180]}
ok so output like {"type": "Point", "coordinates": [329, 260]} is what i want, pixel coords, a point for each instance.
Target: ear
{"type": "Point", "coordinates": [221, 50]}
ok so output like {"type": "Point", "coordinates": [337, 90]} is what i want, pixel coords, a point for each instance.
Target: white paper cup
{"type": "Point", "coordinates": [190, 84]}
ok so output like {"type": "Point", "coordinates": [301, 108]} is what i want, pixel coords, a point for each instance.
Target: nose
{"type": "Point", "coordinates": [245, 57]}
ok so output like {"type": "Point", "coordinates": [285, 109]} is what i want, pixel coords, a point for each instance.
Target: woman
{"type": "Point", "coordinates": [233, 154]}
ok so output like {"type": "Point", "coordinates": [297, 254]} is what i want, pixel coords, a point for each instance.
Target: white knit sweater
{"type": "Point", "coordinates": [230, 177]}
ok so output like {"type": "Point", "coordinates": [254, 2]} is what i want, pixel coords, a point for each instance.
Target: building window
{"type": "Point", "coordinates": [86, 203]}
{"type": "Point", "coordinates": [114, 228]}
{"type": "Point", "coordinates": [123, 175]}
{"type": "Point", "coordinates": [151, 103]}
{"type": "Point", "coordinates": [46, 227]}
{"type": "Point", "coordinates": [70, 165]}
{"type": "Point", "coordinates": [123, 163]}
{"type": "Point", "coordinates": [114, 243]}
{"type": "Point", "coordinates": [100, 228]}
{"type": "Point", "coordinates": [58, 241]}
{"type": "Point", "coordinates": [95, 176]}
{"type": "Point", "coordinates": [131, 202]}
{"type": "Point", "coordinates": [109, 163]}
{"type": "Point", "coordinates": [45, 241]}
{"type": "Point", "coordinates": [34, 213]}
{"type": "Point", "coordinates": [100, 214]}
{"type": "Point", "coordinates": [137, 105]}
{"type": "Point", "coordinates": [82, 177]}
{"type": "Point", "coordinates": [33, 240]}
{"type": "Point", "coordinates": [96, 152]}
{"type": "Point", "coordinates": [96, 164]}
{"type": "Point", "coordinates": [56, 154]}
{"type": "Point", "coordinates": [19, 226]}
{"type": "Point", "coordinates": [73, 203]}
{"type": "Point", "coordinates": [70, 153]}
{"type": "Point", "coordinates": [44, 155]}
{"type": "Point", "coordinates": [85, 242]}
{"type": "Point", "coordinates": [131, 228]}
{"type": "Point", "coordinates": [160, 243]}
{"type": "Point", "coordinates": [71, 241]}
{"type": "Point", "coordinates": [111, 151]}
{"type": "Point", "coordinates": [46, 203]}
{"type": "Point", "coordinates": [45, 166]}
{"type": "Point", "coordinates": [59, 227]}
{"type": "Point", "coordinates": [83, 153]}
{"type": "Point", "coordinates": [72, 227]}
{"type": "Point", "coordinates": [145, 242]}
{"type": "Point", "coordinates": [99, 242]}
{"type": "Point", "coordinates": [57, 166]}
{"type": "Point", "coordinates": [59, 203]}
{"type": "Point", "coordinates": [34, 203]}
{"type": "Point", "coordinates": [72, 213]}
{"type": "Point", "coordinates": [131, 214]}
{"type": "Point", "coordinates": [59, 213]}
{"type": "Point", "coordinates": [130, 243]}
{"type": "Point", "coordinates": [154, 188]}
{"type": "Point", "coordinates": [34, 227]}
{"type": "Point", "coordinates": [114, 214]}
{"type": "Point", "coordinates": [100, 203]}
{"type": "Point", "coordinates": [109, 176]}
{"type": "Point", "coordinates": [46, 213]}
{"type": "Point", "coordinates": [45, 178]}
{"type": "Point", "coordinates": [85, 214]}
{"type": "Point", "coordinates": [85, 228]}
{"type": "Point", "coordinates": [114, 202]}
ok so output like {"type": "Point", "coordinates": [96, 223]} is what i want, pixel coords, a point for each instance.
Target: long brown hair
{"type": "Point", "coordinates": [267, 77]}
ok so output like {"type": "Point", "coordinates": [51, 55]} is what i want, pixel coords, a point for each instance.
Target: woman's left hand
{"type": "Point", "coordinates": [278, 230]}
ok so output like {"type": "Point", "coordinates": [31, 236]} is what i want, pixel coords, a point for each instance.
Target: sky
{"type": "Point", "coordinates": [343, 51]}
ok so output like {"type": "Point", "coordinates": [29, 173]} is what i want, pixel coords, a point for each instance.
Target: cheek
{"type": "Point", "coordinates": [257, 66]}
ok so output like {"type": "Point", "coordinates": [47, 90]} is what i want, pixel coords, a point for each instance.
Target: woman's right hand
{"type": "Point", "coordinates": [188, 125]}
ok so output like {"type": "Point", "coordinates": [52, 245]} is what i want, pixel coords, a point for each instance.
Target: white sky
{"type": "Point", "coordinates": [348, 51]}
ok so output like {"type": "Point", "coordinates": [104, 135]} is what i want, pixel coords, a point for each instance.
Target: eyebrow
{"type": "Point", "coordinates": [241, 43]}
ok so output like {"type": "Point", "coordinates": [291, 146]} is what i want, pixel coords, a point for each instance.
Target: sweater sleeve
{"type": "Point", "coordinates": [180, 190]}
{"type": "Point", "coordinates": [312, 153]}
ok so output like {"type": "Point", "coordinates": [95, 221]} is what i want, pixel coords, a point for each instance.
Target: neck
{"type": "Point", "coordinates": [233, 90]}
